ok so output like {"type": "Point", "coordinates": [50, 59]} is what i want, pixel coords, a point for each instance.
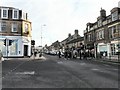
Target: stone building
{"type": "Point", "coordinates": [15, 32]}
{"type": "Point", "coordinates": [73, 41]}
{"type": "Point", "coordinates": [103, 36]}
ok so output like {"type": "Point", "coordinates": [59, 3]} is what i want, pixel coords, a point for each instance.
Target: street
{"type": "Point", "coordinates": [58, 73]}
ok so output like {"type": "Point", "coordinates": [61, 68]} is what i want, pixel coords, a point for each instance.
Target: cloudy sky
{"type": "Point", "coordinates": [60, 16]}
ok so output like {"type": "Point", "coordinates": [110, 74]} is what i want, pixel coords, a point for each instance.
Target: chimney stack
{"type": "Point", "coordinates": [76, 32]}
{"type": "Point", "coordinates": [69, 35]}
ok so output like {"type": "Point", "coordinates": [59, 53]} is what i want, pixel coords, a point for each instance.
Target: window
{"type": "Point", "coordinates": [26, 27]}
{"type": "Point", "coordinates": [3, 26]}
{"type": "Point", "coordinates": [99, 23]}
{"type": "Point", "coordinates": [89, 37]}
{"type": "Point", "coordinates": [119, 30]}
{"type": "Point", "coordinates": [2, 47]}
{"type": "Point", "coordinates": [113, 31]}
{"type": "Point", "coordinates": [15, 14]}
{"type": "Point", "coordinates": [100, 34]}
{"type": "Point", "coordinates": [14, 27]}
{"type": "Point", "coordinates": [97, 36]}
{"type": "Point", "coordinates": [4, 13]}
{"type": "Point", "coordinates": [14, 47]}
{"type": "Point", "coordinates": [114, 16]}
{"type": "Point", "coordinates": [113, 49]}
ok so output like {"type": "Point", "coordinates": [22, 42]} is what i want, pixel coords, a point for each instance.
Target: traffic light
{"type": "Point", "coordinates": [10, 42]}
{"type": "Point", "coordinates": [5, 42]}
{"type": "Point", "coordinates": [33, 42]}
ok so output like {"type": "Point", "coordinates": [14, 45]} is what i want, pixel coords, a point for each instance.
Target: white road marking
{"type": "Point", "coordinates": [13, 69]}
{"type": "Point", "coordinates": [59, 62]}
{"type": "Point", "coordinates": [26, 73]}
{"type": "Point", "coordinates": [95, 69]}
{"type": "Point", "coordinates": [82, 64]}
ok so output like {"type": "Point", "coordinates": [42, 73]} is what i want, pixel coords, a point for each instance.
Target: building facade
{"type": "Point", "coordinates": [15, 28]}
{"type": "Point", "coordinates": [72, 41]}
{"type": "Point", "coordinates": [103, 36]}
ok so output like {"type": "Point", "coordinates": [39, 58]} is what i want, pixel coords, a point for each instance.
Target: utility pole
{"type": "Point", "coordinates": [41, 32]}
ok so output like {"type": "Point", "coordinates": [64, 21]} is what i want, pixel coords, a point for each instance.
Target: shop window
{"type": "Point", "coordinates": [113, 49]}
{"type": "Point", "coordinates": [14, 47]}
{"type": "Point", "coordinates": [2, 47]}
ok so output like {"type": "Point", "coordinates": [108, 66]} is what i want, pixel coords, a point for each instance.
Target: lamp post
{"type": "Point", "coordinates": [41, 32]}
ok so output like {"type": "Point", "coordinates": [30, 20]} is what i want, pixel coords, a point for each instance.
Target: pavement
{"type": "Point", "coordinates": [104, 60]}
{"type": "Point", "coordinates": [28, 58]}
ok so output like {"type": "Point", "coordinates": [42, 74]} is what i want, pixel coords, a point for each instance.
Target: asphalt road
{"type": "Point", "coordinates": [58, 73]}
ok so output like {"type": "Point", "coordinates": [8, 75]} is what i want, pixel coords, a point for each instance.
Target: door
{"type": "Point", "coordinates": [25, 50]}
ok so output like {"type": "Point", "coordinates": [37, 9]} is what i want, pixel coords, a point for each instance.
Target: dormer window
{"type": "Point", "coordinates": [114, 15]}
{"type": "Point", "coordinates": [99, 23]}
{"type": "Point", "coordinates": [4, 13]}
{"type": "Point", "coordinates": [15, 14]}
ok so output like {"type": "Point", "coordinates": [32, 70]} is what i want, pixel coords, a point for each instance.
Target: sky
{"type": "Point", "coordinates": [57, 18]}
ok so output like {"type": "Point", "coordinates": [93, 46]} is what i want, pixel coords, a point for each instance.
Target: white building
{"type": "Point", "coordinates": [14, 27]}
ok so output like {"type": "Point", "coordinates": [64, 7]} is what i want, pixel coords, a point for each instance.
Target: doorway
{"type": "Point", "coordinates": [25, 50]}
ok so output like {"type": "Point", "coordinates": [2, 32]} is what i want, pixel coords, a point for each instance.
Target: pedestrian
{"type": "Point", "coordinates": [35, 53]}
{"type": "Point", "coordinates": [80, 54]}
{"type": "Point", "coordinates": [40, 54]}
{"type": "Point", "coordinates": [59, 54]}
{"type": "Point", "coordinates": [66, 54]}
{"type": "Point", "coordinates": [75, 53]}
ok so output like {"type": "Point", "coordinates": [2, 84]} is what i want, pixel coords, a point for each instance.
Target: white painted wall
{"type": "Point", "coordinates": [20, 51]}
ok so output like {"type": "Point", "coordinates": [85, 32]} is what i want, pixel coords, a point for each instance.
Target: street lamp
{"type": "Point", "coordinates": [41, 32]}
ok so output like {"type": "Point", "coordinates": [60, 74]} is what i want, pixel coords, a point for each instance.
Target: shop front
{"type": "Point", "coordinates": [16, 48]}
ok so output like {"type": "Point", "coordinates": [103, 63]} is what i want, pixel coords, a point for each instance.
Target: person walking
{"type": "Point", "coordinates": [59, 54]}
